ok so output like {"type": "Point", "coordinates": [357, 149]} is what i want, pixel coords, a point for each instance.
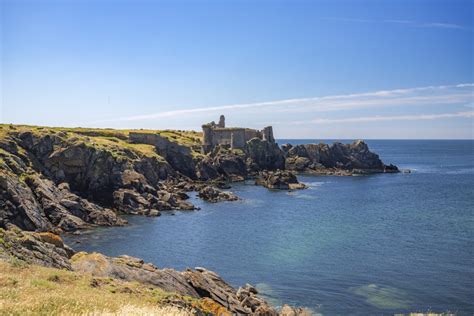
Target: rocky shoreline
{"type": "Point", "coordinates": [56, 180]}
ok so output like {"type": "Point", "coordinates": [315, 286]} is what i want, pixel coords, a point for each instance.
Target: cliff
{"type": "Point", "coordinates": [55, 180]}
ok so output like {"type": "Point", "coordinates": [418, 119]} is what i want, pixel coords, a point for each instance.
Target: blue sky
{"type": "Point", "coordinates": [312, 69]}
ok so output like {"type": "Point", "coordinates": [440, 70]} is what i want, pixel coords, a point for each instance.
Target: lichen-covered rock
{"type": "Point", "coordinates": [244, 301]}
{"type": "Point", "coordinates": [45, 249]}
{"type": "Point", "coordinates": [279, 180]}
{"type": "Point", "coordinates": [132, 269]}
{"type": "Point", "coordinates": [213, 195]}
{"type": "Point", "coordinates": [95, 171]}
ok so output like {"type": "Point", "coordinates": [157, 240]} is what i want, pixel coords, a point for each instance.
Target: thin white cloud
{"type": "Point", "coordinates": [443, 25]}
{"type": "Point", "coordinates": [439, 25]}
{"type": "Point", "coordinates": [429, 95]}
{"type": "Point", "coordinates": [468, 114]}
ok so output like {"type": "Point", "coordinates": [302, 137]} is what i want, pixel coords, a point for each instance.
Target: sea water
{"type": "Point", "coordinates": [378, 244]}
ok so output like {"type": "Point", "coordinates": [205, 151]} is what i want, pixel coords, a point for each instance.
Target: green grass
{"type": "Point", "coordinates": [114, 140]}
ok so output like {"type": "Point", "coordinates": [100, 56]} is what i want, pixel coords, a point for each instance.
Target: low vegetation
{"type": "Point", "coordinates": [112, 139]}
{"type": "Point", "coordinates": [30, 289]}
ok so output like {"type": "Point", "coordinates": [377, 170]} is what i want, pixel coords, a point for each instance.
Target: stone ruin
{"type": "Point", "coordinates": [231, 137]}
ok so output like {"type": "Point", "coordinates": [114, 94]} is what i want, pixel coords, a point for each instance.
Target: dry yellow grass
{"type": "Point", "coordinates": [34, 290]}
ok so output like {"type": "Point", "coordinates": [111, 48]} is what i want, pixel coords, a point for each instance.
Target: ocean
{"type": "Point", "coordinates": [366, 245]}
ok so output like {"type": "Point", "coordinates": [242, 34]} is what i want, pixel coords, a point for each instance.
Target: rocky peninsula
{"type": "Point", "coordinates": [60, 180]}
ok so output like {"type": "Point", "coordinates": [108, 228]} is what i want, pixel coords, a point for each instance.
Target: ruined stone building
{"type": "Point", "coordinates": [233, 137]}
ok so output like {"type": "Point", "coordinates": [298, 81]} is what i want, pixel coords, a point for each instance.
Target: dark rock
{"type": "Point", "coordinates": [264, 155]}
{"type": "Point", "coordinates": [18, 205]}
{"type": "Point", "coordinates": [279, 180]}
{"type": "Point", "coordinates": [339, 159]}
{"type": "Point", "coordinates": [213, 195]}
{"type": "Point", "coordinates": [230, 165]}
{"type": "Point", "coordinates": [206, 170]}
{"type": "Point", "coordinates": [286, 147]}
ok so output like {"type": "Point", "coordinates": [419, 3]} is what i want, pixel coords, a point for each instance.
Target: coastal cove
{"type": "Point", "coordinates": [375, 244]}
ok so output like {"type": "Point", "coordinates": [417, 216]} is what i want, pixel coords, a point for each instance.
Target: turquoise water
{"type": "Point", "coordinates": [378, 244]}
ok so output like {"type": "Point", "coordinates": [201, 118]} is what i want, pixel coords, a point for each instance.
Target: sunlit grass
{"type": "Point", "coordinates": [36, 290]}
{"type": "Point", "coordinates": [115, 140]}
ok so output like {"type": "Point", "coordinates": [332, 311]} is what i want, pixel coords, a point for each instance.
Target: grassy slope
{"type": "Point", "coordinates": [114, 140]}
{"type": "Point", "coordinates": [30, 289]}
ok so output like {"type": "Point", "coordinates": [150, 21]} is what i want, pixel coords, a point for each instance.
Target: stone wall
{"type": "Point", "coordinates": [268, 134]}
{"type": "Point", "coordinates": [252, 133]}
{"type": "Point", "coordinates": [224, 136]}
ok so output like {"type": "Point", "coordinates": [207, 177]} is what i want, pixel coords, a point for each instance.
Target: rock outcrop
{"type": "Point", "coordinates": [338, 158]}
{"type": "Point", "coordinates": [56, 180]}
{"type": "Point", "coordinates": [46, 249]}
{"type": "Point", "coordinates": [213, 195]}
{"type": "Point", "coordinates": [279, 180]}
{"type": "Point", "coordinates": [198, 283]}
{"type": "Point", "coordinates": [132, 269]}
{"type": "Point", "coordinates": [244, 301]}
{"type": "Point", "coordinates": [264, 155]}
{"type": "Point", "coordinates": [35, 203]}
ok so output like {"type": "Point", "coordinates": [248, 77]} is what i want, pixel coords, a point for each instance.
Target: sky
{"type": "Point", "coordinates": [312, 69]}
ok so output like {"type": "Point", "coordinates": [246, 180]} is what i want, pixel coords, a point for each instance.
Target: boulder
{"type": "Point", "coordinates": [279, 180]}
{"type": "Point", "coordinates": [213, 195]}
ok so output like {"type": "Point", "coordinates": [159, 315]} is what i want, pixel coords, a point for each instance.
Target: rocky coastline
{"type": "Point", "coordinates": [57, 180]}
